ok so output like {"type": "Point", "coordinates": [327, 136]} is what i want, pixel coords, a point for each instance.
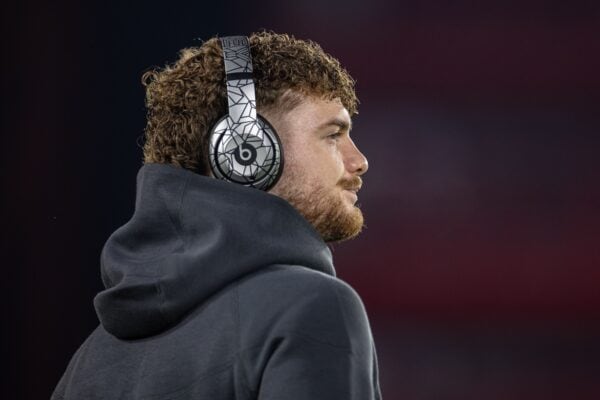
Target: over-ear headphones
{"type": "Point", "coordinates": [244, 147]}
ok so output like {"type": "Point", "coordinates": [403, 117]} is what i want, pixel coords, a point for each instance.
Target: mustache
{"type": "Point", "coordinates": [354, 183]}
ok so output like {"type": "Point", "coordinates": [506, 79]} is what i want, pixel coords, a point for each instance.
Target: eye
{"type": "Point", "coordinates": [335, 136]}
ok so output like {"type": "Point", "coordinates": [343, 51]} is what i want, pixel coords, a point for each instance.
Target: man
{"type": "Point", "coordinates": [216, 290]}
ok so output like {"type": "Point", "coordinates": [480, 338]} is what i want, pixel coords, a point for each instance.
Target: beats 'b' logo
{"type": "Point", "coordinates": [245, 154]}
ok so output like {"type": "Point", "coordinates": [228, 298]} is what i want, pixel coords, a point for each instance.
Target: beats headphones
{"type": "Point", "coordinates": [244, 148]}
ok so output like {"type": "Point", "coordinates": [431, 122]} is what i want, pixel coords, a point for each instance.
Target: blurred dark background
{"type": "Point", "coordinates": [480, 266]}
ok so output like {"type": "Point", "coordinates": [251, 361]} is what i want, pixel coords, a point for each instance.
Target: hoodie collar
{"type": "Point", "coordinates": [189, 237]}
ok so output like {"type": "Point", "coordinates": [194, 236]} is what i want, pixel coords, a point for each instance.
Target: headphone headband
{"type": "Point", "coordinates": [236, 54]}
{"type": "Point", "coordinates": [244, 147]}
{"type": "Point", "coordinates": [241, 95]}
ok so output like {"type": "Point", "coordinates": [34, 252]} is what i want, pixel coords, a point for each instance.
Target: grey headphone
{"type": "Point", "coordinates": [244, 147]}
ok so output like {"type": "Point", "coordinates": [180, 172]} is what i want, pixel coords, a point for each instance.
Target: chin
{"type": "Point", "coordinates": [344, 226]}
{"type": "Point", "coordinates": [333, 214]}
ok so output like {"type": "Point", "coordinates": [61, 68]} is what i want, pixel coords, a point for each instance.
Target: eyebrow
{"type": "Point", "coordinates": [342, 124]}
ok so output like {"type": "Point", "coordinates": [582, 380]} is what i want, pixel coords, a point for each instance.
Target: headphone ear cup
{"type": "Point", "coordinates": [246, 153]}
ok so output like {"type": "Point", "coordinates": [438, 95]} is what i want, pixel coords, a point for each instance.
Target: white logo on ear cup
{"type": "Point", "coordinates": [245, 154]}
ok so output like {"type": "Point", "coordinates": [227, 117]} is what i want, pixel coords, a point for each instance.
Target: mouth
{"type": "Point", "coordinates": [352, 194]}
{"type": "Point", "coordinates": [351, 188]}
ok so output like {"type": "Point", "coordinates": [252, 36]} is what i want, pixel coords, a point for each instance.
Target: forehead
{"type": "Point", "coordinates": [318, 113]}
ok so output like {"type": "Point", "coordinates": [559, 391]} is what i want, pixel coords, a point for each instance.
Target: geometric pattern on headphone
{"type": "Point", "coordinates": [244, 147]}
{"type": "Point", "coordinates": [250, 154]}
{"type": "Point", "coordinates": [236, 54]}
{"type": "Point", "coordinates": [241, 98]}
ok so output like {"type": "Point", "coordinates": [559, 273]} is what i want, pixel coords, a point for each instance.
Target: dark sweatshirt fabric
{"type": "Point", "coordinates": [216, 291]}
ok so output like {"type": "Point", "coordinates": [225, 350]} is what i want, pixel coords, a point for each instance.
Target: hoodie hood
{"type": "Point", "coordinates": [189, 237]}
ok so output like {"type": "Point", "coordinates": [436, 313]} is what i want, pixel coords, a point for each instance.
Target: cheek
{"type": "Point", "coordinates": [326, 165]}
{"type": "Point", "coordinates": [331, 159]}
{"type": "Point", "coordinates": [314, 162]}
{"type": "Point", "coordinates": [305, 166]}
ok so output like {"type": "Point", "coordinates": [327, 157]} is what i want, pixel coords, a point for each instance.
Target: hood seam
{"type": "Point", "coordinates": [178, 229]}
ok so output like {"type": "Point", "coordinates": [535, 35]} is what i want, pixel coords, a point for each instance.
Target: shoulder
{"type": "Point", "coordinates": [285, 299]}
{"type": "Point", "coordinates": [297, 285]}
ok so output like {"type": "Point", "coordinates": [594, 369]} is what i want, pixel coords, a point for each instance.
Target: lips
{"type": "Point", "coordinates": [352, 186]}
{"type": "Point", "coordinates": [353, 194]}
{"type": "Point", "coordinates": [353, 189]}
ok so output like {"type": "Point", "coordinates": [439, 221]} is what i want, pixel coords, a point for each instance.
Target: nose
{"type": "Point", "coordinates": [355, 161]}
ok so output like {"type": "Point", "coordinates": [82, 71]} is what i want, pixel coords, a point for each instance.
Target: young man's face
{"type": "Point", "coordinates": [321, 175]}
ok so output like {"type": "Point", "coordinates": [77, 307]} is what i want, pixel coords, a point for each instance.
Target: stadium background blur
{"type": "Point", "coordinates": [479, 267]}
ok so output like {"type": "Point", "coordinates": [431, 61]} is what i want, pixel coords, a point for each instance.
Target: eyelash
{"type": "Point", "coordinates": [335, 136]}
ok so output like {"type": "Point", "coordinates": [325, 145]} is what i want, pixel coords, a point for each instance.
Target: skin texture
{"type": "Point", "coordinates": [323, 166]}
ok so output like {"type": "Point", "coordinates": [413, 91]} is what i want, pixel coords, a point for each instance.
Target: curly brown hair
{"type": "Point", "coordinates": [186, 98]}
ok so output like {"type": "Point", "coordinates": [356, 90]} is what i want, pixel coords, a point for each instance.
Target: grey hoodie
{"type": "Point", "coordinates": [217, 291]}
